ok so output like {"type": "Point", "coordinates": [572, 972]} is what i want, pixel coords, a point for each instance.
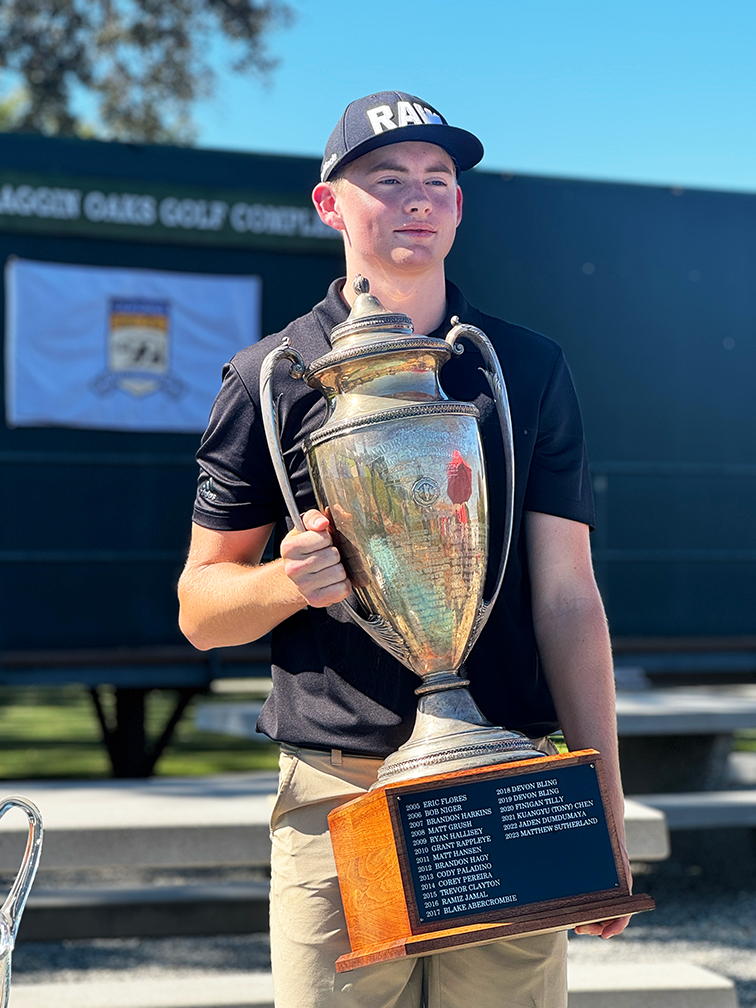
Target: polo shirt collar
{"type": "Point", "coordinates": [333, 309]}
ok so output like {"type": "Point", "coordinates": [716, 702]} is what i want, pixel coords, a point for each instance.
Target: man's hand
{"type": "Point", "coordinates": [313, 563]}
{"type": "Point", "coordinates": [604, 929]}
{"type": "Point", "coordinates": [610, 928]}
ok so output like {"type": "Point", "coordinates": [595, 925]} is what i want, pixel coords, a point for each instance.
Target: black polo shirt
{"type": "Point", "coordinates": [333, 687]}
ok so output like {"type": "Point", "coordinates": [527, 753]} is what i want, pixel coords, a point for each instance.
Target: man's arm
{"type": "Point", "coordinates": [573, 642]}
{"type": "Point", "coordinates": [228, 597]}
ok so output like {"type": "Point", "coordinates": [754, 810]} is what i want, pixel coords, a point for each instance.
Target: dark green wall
{"type": "Point", "coordinates": [652, 294]}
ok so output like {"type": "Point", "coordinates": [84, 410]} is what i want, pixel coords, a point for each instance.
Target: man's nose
{"type": "Point", "coordinates": [417, 199]}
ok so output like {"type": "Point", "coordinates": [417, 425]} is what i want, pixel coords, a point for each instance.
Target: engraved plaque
{"type": "Point", "coordinates": [505, 843]}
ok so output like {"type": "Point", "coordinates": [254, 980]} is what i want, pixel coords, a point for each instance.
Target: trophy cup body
{"type": "Point", "coordinates": [399, 469]}
{"type": "Point", "coordinates": [470, 834]}
{"type": "Point", "coordinates": [417, 560]}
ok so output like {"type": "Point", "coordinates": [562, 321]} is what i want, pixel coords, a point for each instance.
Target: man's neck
{"type": "Point", "coordinates": [422, 297]}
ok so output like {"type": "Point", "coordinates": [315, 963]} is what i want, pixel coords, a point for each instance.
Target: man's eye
{"type": "Point", "coordinates": [388, 181]}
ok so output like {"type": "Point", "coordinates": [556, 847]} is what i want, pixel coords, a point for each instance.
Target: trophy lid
{"type": "Point", "coordinates": [369, 318]}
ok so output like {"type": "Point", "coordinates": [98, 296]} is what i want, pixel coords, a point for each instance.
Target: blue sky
{"type": "Point", "coordinates": [652, 91]}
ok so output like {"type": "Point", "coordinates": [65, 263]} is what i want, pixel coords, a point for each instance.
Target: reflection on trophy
{"type": "Point", "coordinates": [13, 907]}
{"type": "Point", "coordinates": [399, 469]}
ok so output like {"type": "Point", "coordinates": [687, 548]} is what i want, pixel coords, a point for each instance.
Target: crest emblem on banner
{"type": "Point", "coordinates": [138, 345]}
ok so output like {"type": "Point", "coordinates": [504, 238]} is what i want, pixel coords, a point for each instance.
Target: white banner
{"type": "Point", "coordinates": [120, 349]}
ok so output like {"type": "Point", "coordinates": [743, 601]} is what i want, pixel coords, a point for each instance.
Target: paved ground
{"type": "Point", "coordinates": [110, 958]}
{"type": "Point", "coordinates": [706, 896]}
{"type": "Point", "coordinates": [696, 921]}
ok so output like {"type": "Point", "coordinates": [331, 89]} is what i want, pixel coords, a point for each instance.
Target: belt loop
{"type": "Point", "coordinates": [336, 759]}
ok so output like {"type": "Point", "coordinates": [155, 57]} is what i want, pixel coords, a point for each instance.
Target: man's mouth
{"type": "Point", "coordinates": [416, 229]}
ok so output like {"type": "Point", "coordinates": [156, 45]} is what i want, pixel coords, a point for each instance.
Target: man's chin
{"type": "Point", "coordinates": [406, 257]}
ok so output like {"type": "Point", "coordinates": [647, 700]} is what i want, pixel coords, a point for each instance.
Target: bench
{"type": "Point", "coordinates": [238, 719]}
{"type": "Point", "coordinates": [687, 660]}
{"type": "Point", "coordinates": [132, 673]}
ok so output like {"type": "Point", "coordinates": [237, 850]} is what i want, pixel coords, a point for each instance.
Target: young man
{"type": "Point", "coordinates": [340, 704]}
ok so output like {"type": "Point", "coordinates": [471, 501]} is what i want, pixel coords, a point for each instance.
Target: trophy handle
{"type": "Point", "coordinates": [270, 421]}
{"type": "Point", "coordinates": [495, 378]}
{"type": "Point", "coordinates": [13, 907]}
{"type": "Point", "coordinates": [375, 626]}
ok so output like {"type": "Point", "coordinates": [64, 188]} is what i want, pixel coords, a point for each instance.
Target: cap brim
{"type": "Point", "coordinates": [465, 148]}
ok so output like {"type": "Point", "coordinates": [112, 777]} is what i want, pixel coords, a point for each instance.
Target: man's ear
{"type": "Point", "coordinates": [459, 205]}
{"type": "Point", "coordinates": [324, 198]}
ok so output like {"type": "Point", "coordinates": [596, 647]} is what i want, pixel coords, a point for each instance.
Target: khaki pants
{"type": "Point", "coordinates": [308, 930]}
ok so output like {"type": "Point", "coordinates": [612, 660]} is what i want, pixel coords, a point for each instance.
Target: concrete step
{"type": "Point", "coordinates": [648, 985]}
{"type": "Point", "coordinates": [188, 822]}
{"type": "Point", "coordinates": [230, 908]}
{"type": "Point", "coordinates": [741, 769]}
{"type": "Point", "coordinates": [239, 990]}
{"type": "Point", "coordinates": [647, 832]}
{"type": "Point", "coordinates": [668, 711]}
{"type": "Point", "coordinates": [704, 809]}
{"type": "Point", "coordinates": [625, 985]}
{"type": "Point", "coordinates": [678, 710]}
{"type": "Point", "coordinates": [162, 822]}
{"type": "Point", "coordinates": [238, 718]}
{"type": "Point", "coordinates": [145, 911]}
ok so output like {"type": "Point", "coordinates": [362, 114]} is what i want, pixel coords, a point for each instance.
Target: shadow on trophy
{"type": "Point", "coordinates": [470, 834]}
{"type": "Point", "coordinates": [13, 907]}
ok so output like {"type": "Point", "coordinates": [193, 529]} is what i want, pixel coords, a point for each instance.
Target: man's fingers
{"type": "Point", "coordinates": [606, 929]}
{"type": "Point", "coordinates": [589, 929]}
{"type": "Point", "coordinates": [329, 595]}
{"type": "Point", "coordinates": [310, 546]}
{"type": "Point", "coordinates": [615, 927]}
{"type": "Point", "coordinates": [299, 545]}
{"type": "Point", "coordinates": [321, 566]}
{"type": "Point", "coordinates": [315, 521]}
{"type": "Point", "coordinates": [313, 563]}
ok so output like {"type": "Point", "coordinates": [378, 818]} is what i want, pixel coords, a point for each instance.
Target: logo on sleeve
{"type": "Point", "coordinates": [207, 490]}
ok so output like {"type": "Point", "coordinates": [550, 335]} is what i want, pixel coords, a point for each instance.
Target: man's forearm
{"type": "Point", "coordinates": [227, 597]}
{"type": "Point", "coordinates": [573, 642]}
{"type": "Point", "coordinates": [223, 604]}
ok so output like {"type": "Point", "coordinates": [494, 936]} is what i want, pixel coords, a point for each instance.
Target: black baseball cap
{"type": "Point", "coordinates": [392, 117]}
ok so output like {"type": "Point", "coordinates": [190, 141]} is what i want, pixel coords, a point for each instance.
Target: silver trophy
{"type": "Point", "coordinates": [399, 469]}
{"type": "Point", "coordinates": [13, 907]}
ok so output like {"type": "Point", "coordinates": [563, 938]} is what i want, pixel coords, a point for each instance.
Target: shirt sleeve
{"type": "Point", "coordinates": [559, 482]}
{"type": "Point", "coordinates": [237, 487]}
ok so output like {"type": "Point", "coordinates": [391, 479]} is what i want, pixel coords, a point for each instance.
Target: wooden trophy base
{"type": "Point", "coordinates": [474, 856]}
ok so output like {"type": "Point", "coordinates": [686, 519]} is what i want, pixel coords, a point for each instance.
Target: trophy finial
{"type": "Point", "coordinates": [365, 303]}
{"type": "Point", "coordinates": [368, 318]}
